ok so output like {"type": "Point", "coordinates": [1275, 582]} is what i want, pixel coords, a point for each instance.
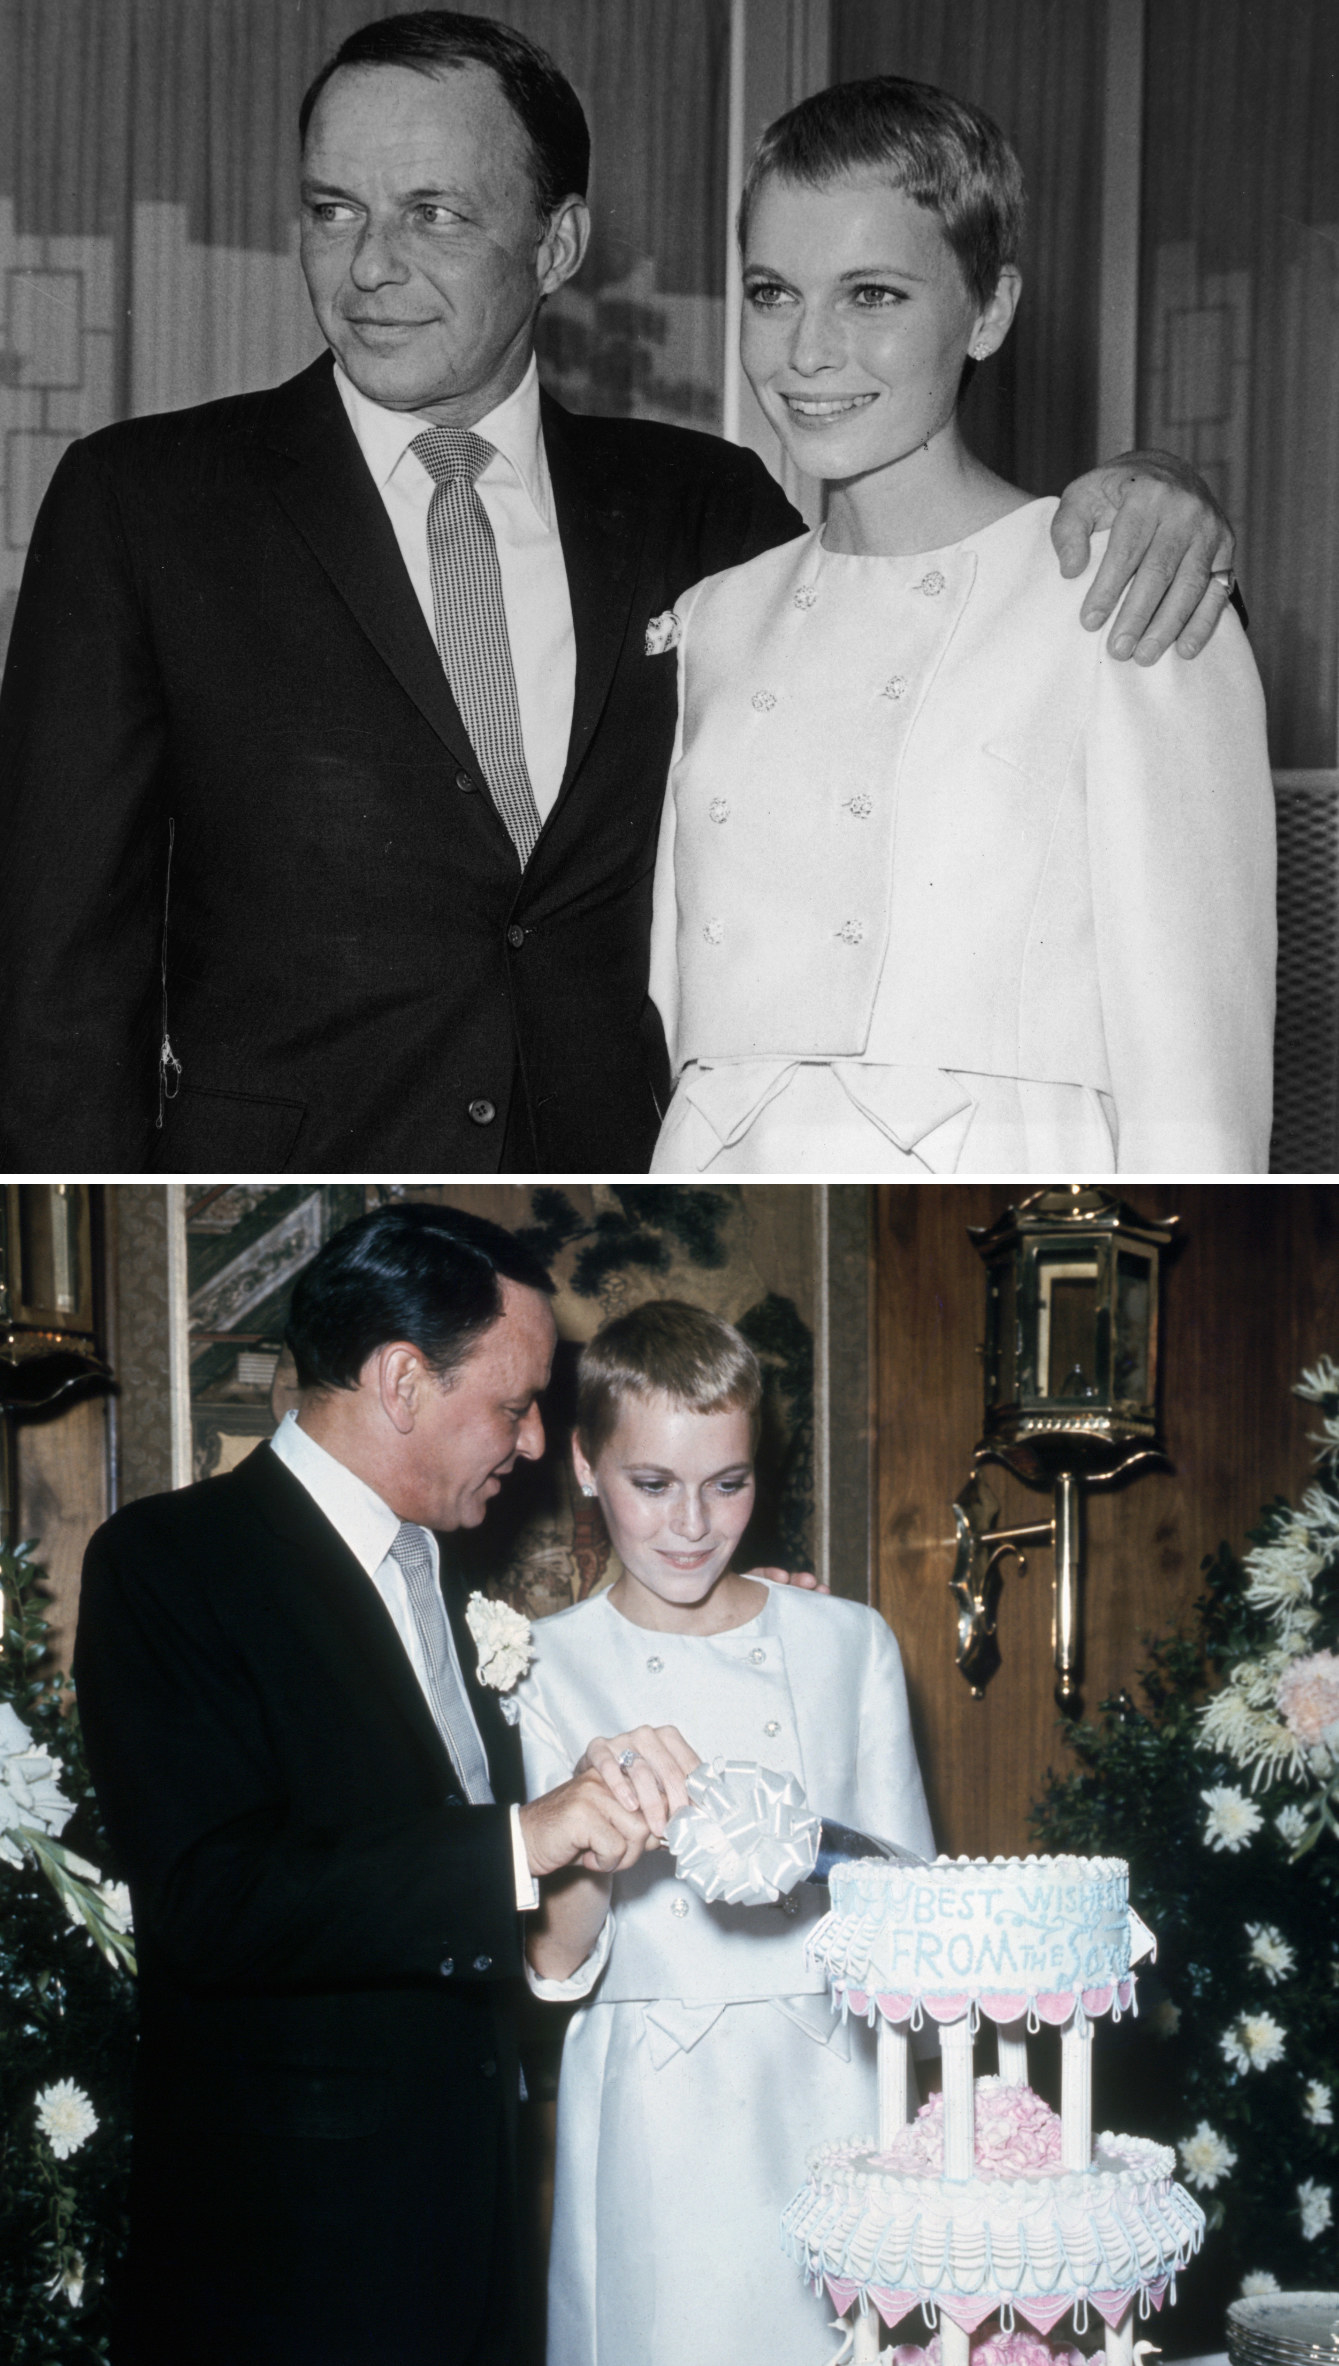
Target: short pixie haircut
{"type": "Point", "coordinates": [664, 1348]}
{"type": "Point", "coordinates": [948, 156]}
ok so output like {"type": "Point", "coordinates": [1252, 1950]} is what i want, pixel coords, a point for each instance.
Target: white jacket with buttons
{"type": "Point", "coordinates": [919, 819]}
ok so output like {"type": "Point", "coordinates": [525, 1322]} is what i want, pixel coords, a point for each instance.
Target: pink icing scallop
{"type": "Point", "coordinates": [1112, 2305]}
{"type": "Point", "coordinates": [856, 1999]}
{"type": "Point", "coordinates": [1042, 2313]}
{"type": "Point", "coordinates": [946, 2008]}
{"type": "Point", "coordinates": [1004, 2008]}
{"type": "Point", "coordinates": [965, 2310]}
{"type": "Point", "coordinates": [896, 2008]}
{"type": "Point", "coordinates": [1098, 2000]}
{"type": "Point", "coordinates": [1056, 2008]}
{"type": "Point", "coordinates": [893, 2306]}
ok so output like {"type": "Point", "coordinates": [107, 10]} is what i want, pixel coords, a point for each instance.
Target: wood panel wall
{"type": "Point", "coordinates": [1251, 1295]}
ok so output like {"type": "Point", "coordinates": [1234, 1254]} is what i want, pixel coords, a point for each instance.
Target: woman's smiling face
{"type": "Point", "coordinates": [857, 320]}
{"type": "Point", "coordinates": [676, 1490]}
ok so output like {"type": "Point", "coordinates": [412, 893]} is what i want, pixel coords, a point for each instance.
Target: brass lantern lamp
{"type": "Point", "coordinates": [1071, 1388]}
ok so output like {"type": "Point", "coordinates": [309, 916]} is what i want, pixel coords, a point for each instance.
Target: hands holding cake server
{"type": "Point", "coordinates": [620, 1797]}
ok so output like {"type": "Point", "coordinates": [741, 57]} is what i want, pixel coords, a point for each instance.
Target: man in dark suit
{"type": "Point", "coordinates": [332, 756]}
{"type": "Point", "coordinates": [310, 1788]}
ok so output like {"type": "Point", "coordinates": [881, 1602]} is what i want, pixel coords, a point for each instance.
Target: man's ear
{"type": "Point", "coordinates": [399, 1375]}
{"type": "Point", "coordinates": [562, 249]}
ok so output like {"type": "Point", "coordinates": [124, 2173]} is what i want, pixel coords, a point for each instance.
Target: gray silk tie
{"type": "Point", "coordinates": [472, 623]}
{"type": "Point", "coordinates": [446, 1690]}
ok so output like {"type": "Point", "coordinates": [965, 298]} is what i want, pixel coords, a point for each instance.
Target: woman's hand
{"type": "Point", "coordinates": [1170, 544]}
{"type": "Point", "coordinates": [652, 1779]}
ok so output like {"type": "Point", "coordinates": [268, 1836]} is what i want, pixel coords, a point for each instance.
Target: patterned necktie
{"type": "Point", "coordinates": [472, 623]}
{"type": "Point", "coordinates": [446, 1689]}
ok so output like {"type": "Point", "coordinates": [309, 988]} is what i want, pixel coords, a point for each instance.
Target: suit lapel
{"type": "Point", "coordinates": [602, 525]}
{"type": "Point", "coordinates": [501, 1742]}
{"type": "Point", "coordinates": [316, 1555]}
{"type": "Point", "coordinates": [324, 485]}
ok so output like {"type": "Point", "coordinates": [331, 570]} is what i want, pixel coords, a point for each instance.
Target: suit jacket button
{"type": "Point", "coordinates": [483, 1963]}
{"type": "Point", "coordinates": [515, 937]}
{"type": "Point", "coordinates": [448, 1966]}
{"type": "Point", "coordinates": [483, 1112]}
{"type": "Point", "coordinates": [464, 780]}
{"type": "Point", "coordinates": [489, 2069]}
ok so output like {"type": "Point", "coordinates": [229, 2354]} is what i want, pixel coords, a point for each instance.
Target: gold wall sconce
{"type": "Point", "coordinates": [1071, 1387]}
{"type": "Point", "coordinates": [48, 1316]}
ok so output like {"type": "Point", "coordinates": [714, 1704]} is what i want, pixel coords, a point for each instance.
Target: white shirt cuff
{"type": "Point", "coordinates": [527, 1888]}
{"type": "Point", "coordinates": [580, 1982]}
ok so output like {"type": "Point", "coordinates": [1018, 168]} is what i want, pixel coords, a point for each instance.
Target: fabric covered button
{"type": "Point", "coordinates": [713, 931]}
{"type": "Point", "coordinates": [764, 700]}
{"type": "Point", "coordinates": [718, 809]}
{"type": "Point", "coordinates": [464, 782]}
{"type": "Point", "coordinates": [448, 1966]}
{"type": "Point", "coordinates": [895, 687]}
{"type": "Point", "coordinates": [515, 936]}
{"type": "Point", "coordinates": [483, 1963]}
{"type": "Point", "coordinates": [806, 596]}
{"type": "Point", "coordinates": [654, 1666]}
{"type": "Point", "coordinates": [860, 807]}
{"type": "Point", "coordinates": [757, 1655]}
{"type": "Point", "coordinates": [931, 584]}
{"type": "Point", "coordinates": [771, 1729]}
{"type": "Point", "coordinates": [679, 1906]}
{"type": "Point", "coordinates": [489, 2069]}
{"type": "Point", "coordinates": [852, 932]}
{"type": "Point", "coordinates": [483, 1112]}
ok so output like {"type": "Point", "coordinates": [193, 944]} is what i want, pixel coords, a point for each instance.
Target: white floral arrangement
{"type": "Point", "coordinates": [503, 1639]}
{"type": "Point", "coordinates": [34, 1811]}
{"type": "Point", "coordinates": [1277, 1716]}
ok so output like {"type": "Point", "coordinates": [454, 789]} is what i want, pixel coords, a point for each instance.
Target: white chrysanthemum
{"type": "Point", "coordinates": [1314, 2203]}
{"type": "Point", "coordinates": [1232, 1818]}
{"type": "Point", "coordinates": [1319, 1381]}
{"type": "Point", "coordinates": [1320, 1510]}
{"type": "Point", "coordinates": [30, 1790]}
{"type": "Point", "coordinates": [1291, 1823]}
{"type": "Point", "coordinates": [115, 1901]}
{"type": "Point", "coordinates": [1318, 2104]}
{"type": "Point", "coordinates": [1205, 2158]}
{"type": "Point", "coordinates": [503, 1639]}
{"type": "Point", "coordinates": [1253, 2042]}
{"type": "Point", "coordinates": [66, 2117]}
{"type": "Point", "coordinates": [1251, 1735]}
{"type": "Point", "coordinates": [68, 2282]}
{"type": "Point", "coordinates": [1269, 1951]}
{"type": "Point", "coordinates": [1284, 1570]}
{"type": "Point", "coordinates": [1255, 2285]}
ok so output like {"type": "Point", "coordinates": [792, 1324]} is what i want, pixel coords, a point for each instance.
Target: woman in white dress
{"type": "Point", "coordinates": [705, 2059]}
{"type": "Point", "coordinates": [941, 887]}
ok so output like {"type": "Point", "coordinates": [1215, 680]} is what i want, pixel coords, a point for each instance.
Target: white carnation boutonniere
{"type": "Point", "coordinates": [502, 1638]}
{"type": "Point", "coordinates": [663, 633]}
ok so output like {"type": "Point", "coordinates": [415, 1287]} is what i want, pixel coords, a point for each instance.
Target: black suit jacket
{"type": "Point", "coordinates": [240, 815]}
{"type": "Point", "coordinates": [323, 2160]}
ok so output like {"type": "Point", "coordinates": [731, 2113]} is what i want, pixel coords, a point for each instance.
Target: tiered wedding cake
{"type": "Point", "coordinates": [987, 2202]}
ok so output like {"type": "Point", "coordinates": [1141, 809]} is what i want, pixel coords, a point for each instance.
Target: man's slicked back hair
{"type": "Point", "coordinates": [429, 1275]}
{"type": "Point", "coordinates": [945, 154]}
{"type": "Point", "coordinates": [433, 40]}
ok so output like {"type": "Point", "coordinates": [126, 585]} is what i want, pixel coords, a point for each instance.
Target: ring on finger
{"type": "Point", "coordinates": [628, 1758]}
{"type": "Point", "coordinates": [1226, 580]}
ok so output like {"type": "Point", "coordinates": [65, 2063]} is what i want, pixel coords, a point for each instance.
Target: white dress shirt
{"type": "Point", "coordinates": [369, 1527]}
{"type": "Point", "coordinates": [518, 498]}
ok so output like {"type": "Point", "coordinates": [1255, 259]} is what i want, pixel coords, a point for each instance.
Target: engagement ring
{"type": "Point", "coordinates": [1225, 577]}
{"type": "Point", "coordinates": [628, 1757]}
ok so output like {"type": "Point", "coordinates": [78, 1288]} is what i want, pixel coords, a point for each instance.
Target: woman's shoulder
{"type": "Point", "coordinates": [832, 1618]}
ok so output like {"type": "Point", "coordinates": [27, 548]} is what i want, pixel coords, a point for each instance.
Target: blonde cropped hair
{"type": "Point", "coordinates": [664, 1348]}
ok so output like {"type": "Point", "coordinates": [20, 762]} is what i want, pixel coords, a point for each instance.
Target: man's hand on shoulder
{"type": "Point", "coordinates": [1170, 552]}
{"type": "Point", "coordinates": [804, 1578]}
